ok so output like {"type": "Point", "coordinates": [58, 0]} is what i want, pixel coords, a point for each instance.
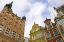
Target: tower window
{"type": "Point", "coordinates": [19, 37]}
{"type": "Point", "coordinates": [13, 34]}
{"type": "Point", "coordinates": [1, 28]}
{"type": "Point", "coordinates": [59, 40]}
{"type": "Point", "coordinates": [4, 18]}
{"type": "Point", "coordinates": [48, 35]}
{"type": "Point", "coordinates": [34, 37]}
{"type": "Point", "coordinates": [62, 11]}
{"type": "Point", "coordinates": [7, 32]}
{"type": "Point", "coordinates": [55, 32]}
{"type": "Point", "coordinates": [49, 26]}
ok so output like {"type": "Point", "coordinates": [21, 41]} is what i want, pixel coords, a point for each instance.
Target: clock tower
{"type": "Point", "coordinates": [59, 19]}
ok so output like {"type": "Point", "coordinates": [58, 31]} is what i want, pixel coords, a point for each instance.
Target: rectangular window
{"type": "Point", "coordinates": [34, 37]}
{"type": "Point", "coordinates": [62, 11]}
{"type": "Point", "coordinates": [55, 32]}
{"type": "Point", "coordinates": [48, 35]}
{"type": "Point", "coordinates": [49, 26]}
{"type": "Point", "coordinates": [40, 35]}
{"type": "Point", "coordinates": [36, 29]}
{"type": "Point", "coordinates": [1, 28]}
{"type": "Point", "coordinates": [13, 34]}
{"type": "Point", "coordinates": [7, 32]}
{"type": "Point", "coordinates": [19, 37]}
{"type": "Point", "coordinates": [4, 18]}
{"type": "Point", "coordinates": [59, 40]}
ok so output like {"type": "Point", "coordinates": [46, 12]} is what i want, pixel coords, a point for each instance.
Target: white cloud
{"type": "Point", "coordinates": [56, 2]}
{"type": "Point", "coordinates": [35, 11]}
{"type": "Point", "coordinates": [34, 15]}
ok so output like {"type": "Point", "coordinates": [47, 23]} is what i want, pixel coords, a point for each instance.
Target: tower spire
{"type": "Point", "coordinates": [9, 5]}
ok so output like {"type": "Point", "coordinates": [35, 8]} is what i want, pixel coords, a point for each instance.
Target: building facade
{"type": "Point", "coordinates": [51, 31]}
{"type": "Point", "coordinates": [37, 34]}
{"type": "Point", "coordinates": [11, 26]}
{"type": "Point", "coordinates": [26, 39]}
{"type": "Point", "coordinates": [59, 19]}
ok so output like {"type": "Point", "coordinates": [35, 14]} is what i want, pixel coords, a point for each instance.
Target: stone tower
{"type": "Point", "coordinates": [11, 26]}
{"type": "Point", "coordinates": [59, 19]}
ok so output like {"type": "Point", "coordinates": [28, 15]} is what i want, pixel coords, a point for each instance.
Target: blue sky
{"type": "Point", "coordinates": [34, 10]}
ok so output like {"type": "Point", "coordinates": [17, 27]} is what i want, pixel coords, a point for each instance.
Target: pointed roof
{"type": "Point", "coordinates": [9, 5]}
{"type": "Point", "coordinates": [24, 18]}
{"type": "Point", "coordinates": [47, 20]}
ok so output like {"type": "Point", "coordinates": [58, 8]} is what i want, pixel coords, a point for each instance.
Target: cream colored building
{"type": "Point", "coordinates": [59, 19]}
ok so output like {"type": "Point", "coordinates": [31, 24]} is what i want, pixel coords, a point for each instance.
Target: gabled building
{"type": "Point", "coordinates": [52, 33]}
{"type": "Point", "coordinates": [11, 26]}
{"type": "Point", "coordinates": [59, 19]}
{"type": "Point", "coordinates": [37, 34]}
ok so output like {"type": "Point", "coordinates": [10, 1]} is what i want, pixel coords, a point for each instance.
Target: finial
{"type": "Point", "coordinates": [46, 18]}
{"type": "Point", "coordinates": [54, 8]}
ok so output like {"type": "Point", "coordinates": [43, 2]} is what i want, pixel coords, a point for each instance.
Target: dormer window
{"type": "Point", "coordinates": [62, 11]}
{"type": "Point", "coordinates": [36, 29]}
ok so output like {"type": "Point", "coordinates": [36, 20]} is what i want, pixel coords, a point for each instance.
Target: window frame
{"type": "Point", "coordinates": [49, 25]}
{"type": "Point", "coordinates": [7, 31]}
{"type": "Point", "coordinates": [59, 39]}
{"type": "Point", "coordinates": [54, 33]}
{"type": "Point", "coordinates": [62, 10]}
{"type": "Point", "coordinates": [1, 28]}
{"type": "Point", "coordinates": [13, 33]}
{"type": "Point", "coordinates": [50, 35]}
{"type": "Point", "coordinates": [19, 38]}
{"type": "Point", "coordinates": [36, 29]}
{"type": "Point", "coordinates": [40, 35]}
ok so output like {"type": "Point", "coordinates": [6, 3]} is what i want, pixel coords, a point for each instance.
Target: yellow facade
{"type": "Point", "coordinates": [37, 34]}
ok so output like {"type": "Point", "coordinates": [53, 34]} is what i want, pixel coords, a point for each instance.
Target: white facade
{"type": "Point", "coordinates": [59, 20]}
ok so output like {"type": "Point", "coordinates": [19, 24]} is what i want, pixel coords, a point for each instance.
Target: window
{"type": "Point", "coordinates": [34, 37]}
{"type": "Point", "coordinates": [48, 35]}
{"type": "Point", "coordinates": [59, 40]}
{"type": "Point", "coordinates": [13, 34]}
{"type": "Point", "coordinates": [40, 35]}
{"type": "Point", "coordinates": [1, 28]}
{"type": "Point", "coordinates": [55, 32]}
{"type": "Point", "coordinates": [11, 19]}
{"type": "Point", "coordinates": [19, 37]}
{"type": "Point", "coordinates": [49, 26]}
{"type": "Point", "coordinates": [33, 30]}
{"type": "Point", "coordinates": [62, 11]}
{"type": "Point", "coordinates": [4, 18]}
{"type": "Point", "coordinates": [36, 29]}
{"type": "Point", "coordinates": [20, 24]}
{"type": "Point", "coordinates": [7, 32]}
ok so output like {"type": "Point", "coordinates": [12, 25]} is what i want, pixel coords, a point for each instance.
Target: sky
{"type": "Point", "coordinates": [34, 10]}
